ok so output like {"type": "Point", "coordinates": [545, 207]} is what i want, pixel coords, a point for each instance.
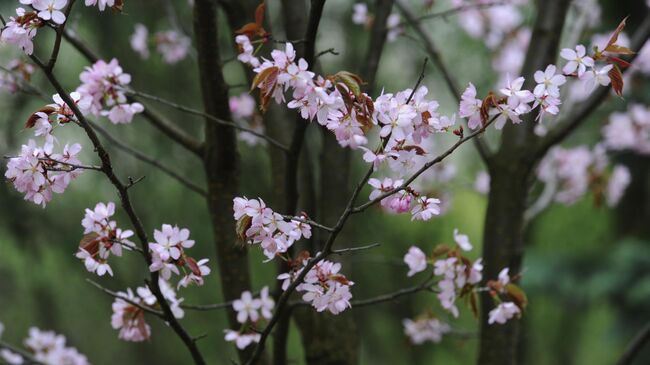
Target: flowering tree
{"type": "Point", "coordinates": [403, 137]}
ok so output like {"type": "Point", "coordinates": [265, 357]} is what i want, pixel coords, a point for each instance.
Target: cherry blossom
{"type": "Point", "coordinates": [416, 260]}
{"type": "Point", "coordinates": [38, 172]}
{"type": "Point", "coordinates": [21, 29]}
{"type": "Point", "coordinates": [50, 348]}
{"type": "Point", "coordinates": [172, 45]}
{"type": "Point", "coordinates": [139, 41]}
{"type": "Point", "coordinates": [103, 84]}
{"type": "Point", "coordinates": [261, 225]}
{"type": "Point", "coordinates": [425, 329]}
{"type": "Point", "coordinates": [170, 241]}
{"type": "Point", "coordinates": [242, 340]}
{"type": "Point", "coordinates": [578, 60]}
{"type": "Point", "coordinates": [102, 4]}
{"type": "Point", "coordinates": [266, 303]}
{"type": "Point", "coordinates": [50, 9]}
{"type": "Point", "coordinates": [629, 130]}
{"type": "Point", "coordinates": [129, 319]}
{"type": "Point", "coordinates": [360, 14]}
{"type": "Point", "coordinates": [11, 358]}
{"type": "Point", "coordinates": [548, 82]}
{"type": "Point", "coordinates": [247, 307]}
{"type": "Point", "coordinates": [618, 182]}
{"type": "Point", "coordinates": [462, 240]}
{"type": "Point", "coordinates": [503, 312]}
{"type": "Point", "coordinates": [470, 107]}
{"type": "Point", "coordinates": [102, 239]}
{"type": "Point", "coordinates": [597, 77]}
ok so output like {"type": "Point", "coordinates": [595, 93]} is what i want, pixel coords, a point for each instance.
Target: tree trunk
{"type": "Point", "coordinates": [221, 160]}
{"type": "Point", "coordinates": [510, 173]}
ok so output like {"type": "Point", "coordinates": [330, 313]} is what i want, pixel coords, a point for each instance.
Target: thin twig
{"type": "Point", "coordinates": [307, 221]}
{"type": "Point", "coordinates": [355, 249]}
{"type": "Point", "coordinates": [147, 159]}
{"type": "Point", "coordinates": [57, 41]}
{"type": "Point", "coordinates": [132, 302]}
{"type": "Point", "coordinates": [426, 166]}
{"type": "Point", "coordinates": [207, 116]}
{"type": "Point", "coordinates": [454, 10]}
{"type": "Point", "coordinates": [640, 340]}
{"type": "Point", "coordinates": [326, 51]}
{"type": "Point", "coordinates": [28, 357]}
{"type": "Point", "coordinates": [125, 199]}
{"type": "Point", "coordinates": [433, 52]}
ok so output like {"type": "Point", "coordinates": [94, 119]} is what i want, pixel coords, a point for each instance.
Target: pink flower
{"type": "Point", "coordinates": [462, 240]}
{"type": "Point", "coordinates": [425, 208]}
{"type": "Point", "coordinates": [618, 182]}
{"type": "Point", "coordinates": [123, 113]}
{"type": "Point", "coordinates": [597, 77]}
{"type": "Point", "coordinates": [170, 242]}
{"type": "Point", "coordinates": [425, 329]}
{"type": "Point", "coordinates": [129, 319]}
{"type": "Point", "coordinates": [416, 261]}
{"type": "Point", "coordinates": [140, 41]}
{"type": "Point", "coordinates": [470, 107]}
{"type": "Point", "coordinates": [172, 45]}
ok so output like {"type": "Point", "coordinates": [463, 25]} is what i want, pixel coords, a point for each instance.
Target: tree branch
{"type": "Point", "coordinates": [134, 303]}
{"type": "Point", "coordinates": [125, 199]}
{"type": "Point", "coordinates": [209, 117]}
{"type": "Point", "coordinates": [582, 111]}
{"type": "Point", "coordinates": [637, 344]}
{"type": "Point", "coordinates": [147, 159]}
{"type": "Point", "coordinates": [432, 51]}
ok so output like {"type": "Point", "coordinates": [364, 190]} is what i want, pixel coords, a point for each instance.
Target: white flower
{"type": "Point", "coordinates": [247, 307]}
{"type": "Point", "coordinates": [462, 240]}
{"type": "Point", "coordinates": [577, 60]}
{"type": "Point", "coordinates": [503, 312]}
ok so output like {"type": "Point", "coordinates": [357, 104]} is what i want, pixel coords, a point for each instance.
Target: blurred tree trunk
{"type": "Point", "coordinates": [221, 160]}
{"type": "Point", "coordinates": [510, 172]}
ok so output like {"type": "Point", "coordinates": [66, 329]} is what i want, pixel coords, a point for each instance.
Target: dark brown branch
{"type": "Point", "coordinates": [209, 117]}
{"type": "Point", "coordinates": [125, 199]}
{"type": "Point", "coordinates": [433, 52]}
{"type": "Point", "coordinates": [57, 41]}
{"type": "Point", "coordinates": [638, 343]}
{"type": "Point", "coordinates": [582, 111]}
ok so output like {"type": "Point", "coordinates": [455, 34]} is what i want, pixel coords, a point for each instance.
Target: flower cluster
{"type": "Point", "coordinates": [21, 29]}
{"type": "Point", "coordinates": [259, 224]}
{"type": "Point", "coordinates": [103, 85]}
{"type": "Point", "coordinates": [421, 207]}
{"type": "Point", "coordinates": [425, 329]}
{"type": "Point", "coordinates": [115, 5]}
{"type": "Point", "coordinates": [459, 277]}
{"type": "Point", "coordinates": [128, 312]}
{"type": "Point", "coordinates": [45, 347]}
{"type": "Point", "coordinates": [576, 171]}
{"type": "Point", "coordinates": [102, 238]}
{"type": "Point", "coordinates": [629, 130]}
{"type": "Point", "coordinates": [168, 255]}
{"type": "Point", "coordinates": [38, 172]}
{"type": "Point", "coordinates": [323, 286]}
{"type": "Point", "coordinates": [172, 45]}
{"type": "Point", "coordinates": [248, 314]}
{"type": "Point", "coordinates": [19, 72]}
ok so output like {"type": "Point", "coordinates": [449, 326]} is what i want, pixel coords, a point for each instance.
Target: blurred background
{"type": "Point", "coordinates": [587, 268]}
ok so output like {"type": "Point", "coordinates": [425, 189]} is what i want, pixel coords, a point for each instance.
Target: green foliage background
{"type": "Point", "coordinates": [587, 279]}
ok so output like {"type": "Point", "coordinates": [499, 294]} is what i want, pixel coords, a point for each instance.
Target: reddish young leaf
{"type": "Point", "coordinates": [259, 14]}
{"type": "Point", "coordinates": [617, 80]}
{"type": "Point", "coordinates": [517, 295]}
{"type": "Point", "coordinates": [31, 121]}
{"type": "Point", "coordinates": [617, 31]}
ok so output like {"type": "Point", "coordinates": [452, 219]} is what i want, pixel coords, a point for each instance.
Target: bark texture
{"type": "Point", "coordinates": [221, 159]}
{"type": "Point", "coordinates": [510, 172]}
